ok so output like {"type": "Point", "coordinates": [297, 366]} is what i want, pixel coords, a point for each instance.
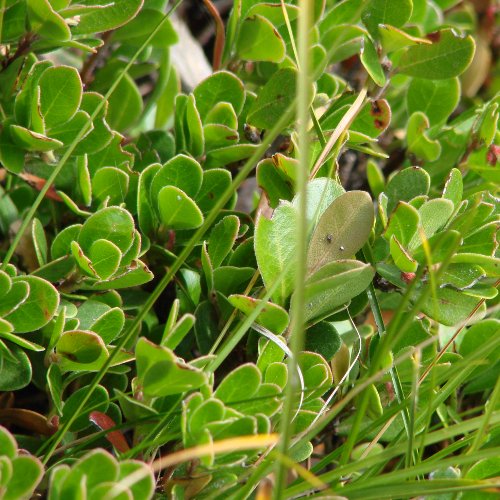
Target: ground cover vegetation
{"type": "Point", "coordinates": [335, 334]}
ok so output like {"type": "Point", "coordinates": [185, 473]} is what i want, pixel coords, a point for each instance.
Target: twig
{"type": "Point", "coordinates": [220, 36]}
{"type": "Point", "coordinates": [90, 64]}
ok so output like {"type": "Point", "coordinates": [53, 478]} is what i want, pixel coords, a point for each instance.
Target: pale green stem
{"type": "Point", "coordinates": [298, 300]}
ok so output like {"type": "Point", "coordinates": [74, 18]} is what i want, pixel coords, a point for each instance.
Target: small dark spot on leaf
{"type": "Point", "coordinates": [379, 123]}
{"type": "Point", "coordinates": [232, 137]}
{"type": "Point", "coordinates": [434, 37]}
{"type": "Point", "coordinates": [329, 238]}
{"type": "Point", "coordinates": [210, 195]}
{"type": "Point", "coordinates": [376, 110]}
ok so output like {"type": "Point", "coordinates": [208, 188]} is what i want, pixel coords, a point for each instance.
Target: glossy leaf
{"type": "Point", "coordinates": [222, 239]}
{"type": "Point", "coordinates": [418, 141]}
{"type": "Point", "coordinates": [39, 307]}
{"type": "Point", "coordinates": [221, 86]}
{"type": "Point", "coordinates": [259, 40]}
{"type": "Point", "coordinates": [435, 98]}
{"type": "Point", "coordinates": [393, 12]}
{"type": "Point", "coordinates": [272, 316]}
{"type": "Point", "coordinates": [274, 99]}
{"type": "Point", "coordinates": [60, 95]}
{"type": "Point", "coordinates": [161, 373]}
{"type": "Point", "coordinates": [447, 57]}
{"type": "Point", "coordinates": [177, 210]}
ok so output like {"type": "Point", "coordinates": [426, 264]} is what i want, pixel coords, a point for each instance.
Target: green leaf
{"type": "Point", "coordinates": [21, 342]}
{"type": "Point", "coordinates": [265, 401]}
{"type": "Point", "coordinates": [491, 265]}
{"type": "Point", "coordinates": [98, 402]}
{"type": "Point", "coordinates": [177, 210]}
{"type": "Point", "coordinates": [11, 155]}
{"type": "Point", "coordinates": [109, 325]}
{"type": "Point", "coordinates": [334, 285]}
{"type": "Point", "coordinates": [406, 185]}
{"type": "Point", "coordinates": [32, 141]}
{"type": "Point", "coordinates": [39, 241]}
{"type": "Point", "coordinates": [221, 86]}
{"type": "Point", "coordinates": [161, 373]}
{"type": "Point", "coordinates": [80, 347]}
{"type": "Point", "coordinates": [435, 98]}
{"type": "Point", "coordinates": [434, 214]}
{"type": "Point", "coordinates": [231, 154]}
{"type": "Point", "coordinates": [143, 488]}
{"type": "Point", "coordinates": [15, 370]}
{"type": "Point", "coordinates": [343, 41]}
{"type": "Point", "coordinates": [403, 223]}
{"type": "Point", "coordinates": [320, 194]}
{"type": "Point", "coordinates": [439, 247]}
{"type": "Point", "coordinates": [136, 31]}
{"type": "Point", "coordinates": [393, 12]}
{"type": "Point", "coordinates": [239, 385]}
{"type": "Point", "coordinates": [182, 172]}
{"type": "Point", "coordinates": [100, 136]}
{"type": "Point", "coordinates": [194, 128]}
{"type": "Point", "coordinates": [223, 114]}
{"type": "Point", "coordinates": [46, 22]}
{"type": "Point", "coordinates": [180, 330]}
{"type": "Point", "coordinates": [135, 274]}
{"type": "Point", "coordinates": [110, 16]}
{"type": "Point", "coordinates": [394, 39]}
{"type": "Point", "coordinates": [215, 182]}
{"type": "Point", "coordinates": [112, 223]}
{"type": "Point", "coordinates": [61, 243]}
{"type": "Point", "coordinates": [323, 339]}
{"type": "Point", "coordinates": [8, 444]}
{"type": "Point", "coordinates": [273, 182]}
{"type": "Point", "coordinates": [277, 373]}
{"type": "Point", "coordinates": [454, 187]}
{"type": "Point", "coordinates": [342, 230]}
{"type": "Point", "coordinates": [418, 141]}
{"type": "Point", "coordinates": [27, 472]}
{"type": "Point", "coordinates": [272, 316]}
{"type": "Point", "coordinates": [145, 212]}
{"type": "Point", "coordinates": [316, 372]}
{"type": "Point", "coordinates": [105, 257]}
{"type": "Point", "coordinates": [447, 57]}
{"type": "Point", "coordinates": [55, 386]}
{"type": "Point", "coordinates": [111, 183]}
{"type": "Point", "coordinates": [60, 95]}
{"type": "Point", "coordinates": [219, 136]}
{"type": "Point", "coordinates": [38, 309]}
{"type": "Point", "coordinates": [66, 132]}
{"type": "Point", "coordinates": [448, 306]}
{"type": "Point", "coordinates": [401, 256]}
{"type": "Point", "coordinates": [229, 279]}
{"type": "Point", "coordinates": [124, 104]}
{"type": "Point", "coordinates": [274, 99]}
{"type": "Point", "coordinates": [97, 467]}
{"type": "Point", "coordinates": [17, 294]}
{"type": "Point", "coordinates": [275, 249]}
{"type": "Point", "coordinates": [260, 41]}
{"type": "Point", "coordinates": [369, 59]}
{"type": "Point", "coordinates": [222, 239]}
